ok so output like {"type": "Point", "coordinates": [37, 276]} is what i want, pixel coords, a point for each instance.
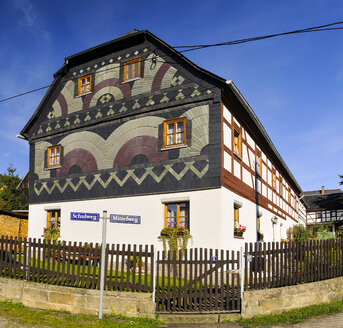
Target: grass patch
{"type": "Point", "coordinates": [59, 319]}
{"type": "Point", "coordinates": [294, 316]}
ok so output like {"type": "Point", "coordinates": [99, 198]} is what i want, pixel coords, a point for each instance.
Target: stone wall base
{"type": "Point", "coordinates": [276, 300]}
{"type": "Point", "coordinates": [75, 300]}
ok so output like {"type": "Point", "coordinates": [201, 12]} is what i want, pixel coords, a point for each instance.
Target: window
{"type": "Point", "coordinates": [174, 133]}
{"type": "Point", "coordinates": [237, 143]}
{"type": "Point", "coordinates": [84, 85]}
{"type": "Point", "coordinates": [176, 215]}
{"type": "Point", "coordinates": [54, 156]}
{"type": "Point", "coordinates": [259, 164]}
{"type": "Point", "coordinates": [333, 215]}
{"type": "Point", "coordinates": [289, 196]}
{"type": "Point", "coordinates": [53, 219]}
{"type": "Point", "coordinates": [319, 216]}
{"type": "Point", "coordinates": [236, 215]}
{"type": "Point", "coordinates": [132, 69]}
{"type": "Point", "coordinates": [274, 179]}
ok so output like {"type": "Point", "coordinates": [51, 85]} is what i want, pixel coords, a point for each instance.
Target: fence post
{"type": "Point", "coordinates": [241, 269]}
{"type": "Point", "coordinates": [26, 249]}
{"type": "Point", "coordinates": [154, 259]}
{"type": "Point", "coordinates": [102, 266]}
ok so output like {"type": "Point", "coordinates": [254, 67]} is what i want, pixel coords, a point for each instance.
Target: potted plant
{"type": "Point", "coordinates": [239, 230]}
{"type": "Point", "coordinates": [176, 238]}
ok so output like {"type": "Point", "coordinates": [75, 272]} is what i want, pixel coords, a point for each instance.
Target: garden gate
{"type": "Point", "coordinates": [200, 280]}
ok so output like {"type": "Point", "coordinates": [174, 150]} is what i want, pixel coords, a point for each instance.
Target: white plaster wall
{"type": "Point", "coordinates": [227, 136]}
{"type": "Point", "coordinates": [247, 217]}
{"type": "Point", "coordinates": [205, 225]}
{"type": "Point", "coordinates": [227, 161]}
{"type": "Point", "coordinates": [211, 219]}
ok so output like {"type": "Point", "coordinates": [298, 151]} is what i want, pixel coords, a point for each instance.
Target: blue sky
{"type": "Point", "coordinates": [293, 83]}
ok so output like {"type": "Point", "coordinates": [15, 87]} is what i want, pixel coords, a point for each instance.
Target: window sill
{"type": "Point", "coordinates": [174, 147]}
{"type": "Point", "coordinates": [83, 94]}
{"type": "Point", "coordinates": [237, 155]}
{"type": "Point", "coordinates": [53, 167]}
{"type": "Point", "coordinates": [135, 79]}
{"type": "Point", "coordinates": [238, 237]}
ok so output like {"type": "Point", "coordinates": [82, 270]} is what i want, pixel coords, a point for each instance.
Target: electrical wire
{"type": "Point", "coordinates": [319, 28]}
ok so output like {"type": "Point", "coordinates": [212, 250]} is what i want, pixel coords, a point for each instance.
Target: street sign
{"type": "Point", "coordinates": [120, 218]}
{"type": "Point", "coordinates": [77, 216]}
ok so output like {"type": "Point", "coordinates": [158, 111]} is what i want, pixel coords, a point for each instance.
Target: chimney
{"type": "Point", "coordinates": [323, 190]}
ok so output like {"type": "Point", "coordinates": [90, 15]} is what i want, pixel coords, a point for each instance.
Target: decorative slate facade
{"type": "Point", "coordinates": [111, 138]}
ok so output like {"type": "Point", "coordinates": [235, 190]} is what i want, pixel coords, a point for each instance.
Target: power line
{"type": "Point", "coordinates": [320, 28]}
{"type": "Point", "coordinates": [24, 93]}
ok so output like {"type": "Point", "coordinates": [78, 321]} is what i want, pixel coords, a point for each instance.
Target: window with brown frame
{"type": "Point", "coordinates": [237, 143]}
{"type": "Point", "coordinates": [259, 164]}
{"type": "Point", "coordinates": [274, 179]}
{"type": "Point", "coordinates": [84, 85]}
{"type": "Point", "coordinates": [289, 197]}
{"type": "Point", "coordinates": [53, 219]}
{"type": "Point", "coordinates": [174, 133]}
{"type": "Point", "coordinates": [236, 215]}
{"type": "Point", "coordinates": [54, 156]}
{"type": "Point", "coordinates": [132, 69]}
{"type": "Point", "coordinates": [176, 215]}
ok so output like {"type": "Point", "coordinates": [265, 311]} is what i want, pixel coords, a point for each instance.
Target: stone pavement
{"type": "Point", "coordinates": [333, 321]}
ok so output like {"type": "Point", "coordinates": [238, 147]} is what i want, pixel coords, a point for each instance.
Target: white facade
{"type": "Point", "coordinates": [211, 219]}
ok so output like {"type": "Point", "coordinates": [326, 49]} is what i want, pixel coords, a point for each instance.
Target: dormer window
{"type": "Point", "coordinates": [132, 69]}
{"type": "Point", "coordinates": [84, 85]}
{"type": "Point", "coordinates": [54, 156]}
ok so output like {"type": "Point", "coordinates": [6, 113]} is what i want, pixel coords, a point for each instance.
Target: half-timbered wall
{"type": "Point", "coordinates": [239, 172]}
{"type": "Point", "coordinates": [324, 216]}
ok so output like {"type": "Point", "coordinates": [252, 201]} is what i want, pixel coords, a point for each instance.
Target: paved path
{"type": "Point", "coordinates": [333, 321]}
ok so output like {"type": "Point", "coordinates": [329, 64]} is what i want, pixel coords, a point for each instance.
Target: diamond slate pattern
{"type": "Point", "coordinates": [120, 107]}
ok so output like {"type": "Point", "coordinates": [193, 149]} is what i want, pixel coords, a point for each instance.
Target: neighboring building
{"type": "Point", "coordinates": [325, 208]}
{"type": "Point", "coordinates": [13, 224]}
{"type": "Point", "coordinates": [135, 128]}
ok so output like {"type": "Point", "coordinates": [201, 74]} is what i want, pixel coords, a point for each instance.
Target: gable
{"type": "Point", "coordinates": [165, 80]}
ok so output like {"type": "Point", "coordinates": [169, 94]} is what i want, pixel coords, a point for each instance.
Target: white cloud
{"type": "Point", "coordinates": [28, 17]}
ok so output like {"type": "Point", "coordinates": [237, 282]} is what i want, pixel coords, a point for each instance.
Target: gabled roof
{"type": "Point", "coordinates": [332, 199]}
{"type": "Point", "coordinates": [136, 37]}
{"type": "Point", "coordinates": [127, 40]}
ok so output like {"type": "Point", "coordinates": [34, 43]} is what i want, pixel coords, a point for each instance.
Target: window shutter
{"type": "Point", "coordinates": [160, 137]}
{"type": "Point", "coordinates": [188, 132]}
{"type": "Point", "coordinates": [46, 158]}
{"type": "Point", "coordinates": [61, 155]}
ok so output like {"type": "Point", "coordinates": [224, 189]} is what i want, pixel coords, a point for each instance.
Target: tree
{"type": "Point", "coordinates": [11, 198]}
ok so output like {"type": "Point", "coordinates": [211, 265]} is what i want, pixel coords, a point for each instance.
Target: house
{"type": "Point", "coordinates": [135, 128]}
{"type": "Point", "coordinates": [325, 211]}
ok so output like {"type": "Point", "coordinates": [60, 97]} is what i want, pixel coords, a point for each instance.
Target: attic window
{"type": "Point", "coordinates": [84, 85]}
{"type": "Point", "coordinates": [132, 69]}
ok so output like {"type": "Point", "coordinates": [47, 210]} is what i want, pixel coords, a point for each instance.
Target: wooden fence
{"type": "Point", "coordinates": [200, 280]}
{"type": "Point", "coordinates": [269, 265]}
{"type": "Point", "coordinates": [128, 268]}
